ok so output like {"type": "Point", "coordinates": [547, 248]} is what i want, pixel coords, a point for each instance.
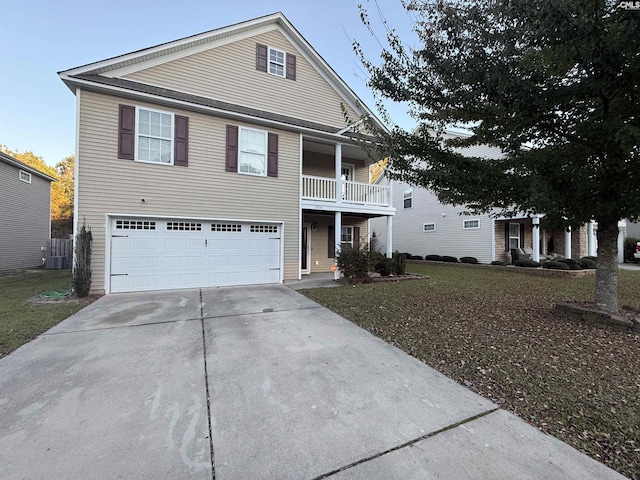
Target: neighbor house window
{"type": "Point", "coordinates": [252, 158]}
{"type": "Point", "coordinates": [407, 196]}
{"type": "Point", "coordinates": [471, 224]}
{"type": "Point", "coordinates": [347, 236]}
{"type": "Point", "coordinates": [25, 176]}
{"type": "Point", "coordinates": [429, 227]}
{"type": "Point", "coordinates": [514, 235]}
{"type": "Point", "coordinates": [154, 136]}
{"type": "Point", "coordinates": [276, 62]}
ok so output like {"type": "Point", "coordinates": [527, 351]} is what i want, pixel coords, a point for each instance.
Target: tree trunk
{"type": "Point", "coordinates": [606, 293]}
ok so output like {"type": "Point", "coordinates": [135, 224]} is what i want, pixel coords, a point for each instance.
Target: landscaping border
{"type": "Point", "coordinates": [542, 272]}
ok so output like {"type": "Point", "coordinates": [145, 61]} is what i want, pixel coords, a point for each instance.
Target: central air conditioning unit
{"type": "Point", "coordinates": [55, 263]}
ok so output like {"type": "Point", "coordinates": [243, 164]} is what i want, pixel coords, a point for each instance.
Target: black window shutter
{"type": "Point", "coordinates": [291, 66]}
{"type": "Point", "coordinates": [181, 141]}
{"type": "Point", "coordinates": [261, 57]}
{"type": "Point", "coordinates": [126, 132]}
{"type": "Point", "coordinates": [506, 236]}
{"type": "Point", "coordinates": [356, 237]}
{"type": "Point", "coordinates": [522, 235]}
{"type": "Point", "coordinates": [272, 160]}
{"type": "Point", "coordinates": [231, 162]}
{"type": "Point", "coordinates": [331, 250]}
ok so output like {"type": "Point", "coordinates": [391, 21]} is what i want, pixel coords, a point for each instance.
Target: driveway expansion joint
{"type": "Point", "coordinates": [404, 445]}
{"type": "Point", "coordinates": [260, 313]}
{"type": "Point", "coordinates": [206, 386]}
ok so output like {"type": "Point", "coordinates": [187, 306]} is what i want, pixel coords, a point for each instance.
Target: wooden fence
{"type": "Point", "coordinates": [60, 247]}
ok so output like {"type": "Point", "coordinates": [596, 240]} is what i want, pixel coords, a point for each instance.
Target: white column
{"type": "Point", "coordinates": [536, 238]}
{"type": "Point", "coordinates": [567, 243]}
{"type": "Point", "coordinates": [622, 229]}
{"type": "Point", "coordinates": [338, 174]}
{"type": "Point", "coordinates": [389, 236]}
{"type": "Point", "coordinates": [338, 231]}
{"type": "Point", "coordinates": [591, 240]}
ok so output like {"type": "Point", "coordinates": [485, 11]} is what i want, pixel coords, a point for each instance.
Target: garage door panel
{"type": "Point", "coordinates": [156, 254]}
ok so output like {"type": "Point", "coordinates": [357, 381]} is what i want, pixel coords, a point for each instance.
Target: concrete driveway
{"type": "Point", "coordinates": [249, 383]}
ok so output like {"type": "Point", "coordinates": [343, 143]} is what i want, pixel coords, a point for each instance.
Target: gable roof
{"type": "Point", "coordinates": [23, 166]}
{"type": "Point", "coordinates": [97, 72]}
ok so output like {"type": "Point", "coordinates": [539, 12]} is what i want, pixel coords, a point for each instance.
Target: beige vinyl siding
{"type": "Point", "coordinates": [322, 165]}
{"type": "Point", "coordinates": [228, 73]}
{"type": "Point", "coordinates": [448, 239]}
{"type": "Point", "coordinates": [320, 238]}
{"type": "Point", "coordinates": [203, 189]}
{"type": "Point", "coordinates": [24, 218]}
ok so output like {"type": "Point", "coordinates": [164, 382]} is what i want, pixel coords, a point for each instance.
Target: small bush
{"type": "Point", "coordinates": [447, 258]}
{"type": "Point", "coordinates": [415, 257]}
{"type": "Point", "coordinates": [433, 258]}
{"type": "Point", "coordinates": [354, 262]}
{"type": "Point", "coordinates": [82, 270]}
{"type": "Point", "coordinates": [553, 265]}
{"type": "Point", "coordinates": [587, 263]}
{"type": "Point", "coordinates": [498, 263]}
{"type": "Point", "coordinates": [383, 266]}
{"type": "Point", "coordinates": [398, 263]}
{"type": "Point", "coordinates": [595, 259]}
{"type": "Point", "coordinates": [473, 260]}
{"type": "Point", "coordinates": [526, 263]}
{"type": "Point", "coordinates": [573, 264]}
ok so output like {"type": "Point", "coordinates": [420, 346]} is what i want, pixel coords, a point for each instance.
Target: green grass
{"type": "Point", "coordinates": [20, 321]}
{"type": "Point", "coordinates": [495, 331]}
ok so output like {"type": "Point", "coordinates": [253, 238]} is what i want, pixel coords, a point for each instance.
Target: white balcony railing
{"type": "Point", "coordinates": [324, 189]}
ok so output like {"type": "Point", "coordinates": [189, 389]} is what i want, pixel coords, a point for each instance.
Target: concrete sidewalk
{"type": "Point", "coordinates": [249, 383]}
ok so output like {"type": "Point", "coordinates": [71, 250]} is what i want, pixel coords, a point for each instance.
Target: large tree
{"type": "Point", "coordinates": [554, 83]}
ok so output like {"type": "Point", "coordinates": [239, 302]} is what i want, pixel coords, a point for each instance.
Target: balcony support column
{"type": "Point", "coordinates": [567, 243]}
{"type": "Point", "coordinates": [338, 175]}
{"type": "Point", "coordinates": [337, 230]}
{"type": "Point", "coordinates": [535, 233]}
{"type": "Point", "coordinates": [389, 236]}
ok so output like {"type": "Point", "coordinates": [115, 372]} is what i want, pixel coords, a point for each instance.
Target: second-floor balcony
{"type": "Point", "coordinates": [323, 189]}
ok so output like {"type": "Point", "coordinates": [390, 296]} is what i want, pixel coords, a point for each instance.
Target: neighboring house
{"type": "Point", "coordinates": [424, 226]}
{"type": "Point", "coordinates": [25, 214]}
{"type": "Point", "coordinates": [219, 159]}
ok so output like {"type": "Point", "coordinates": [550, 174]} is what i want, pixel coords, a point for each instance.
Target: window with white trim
{"type": "Point", "coordinates": [276, 62]}
{"type": "Point", "coordinates": [514, 235]}
{"type": "Point", "coordinates": [471, 224]}
{"type": "Point", "coordinates": [25, 176]}
{"type": "Point", "coordinates": [428, 227]}
{"type": "Point", "coordinates": [154, 136]}
{"type": "Point", "coordinates": [407, 197]}
{"type": "Point", "coordinates": [252, 155]}
{"type": "Point", "coordinates": [346, 236]}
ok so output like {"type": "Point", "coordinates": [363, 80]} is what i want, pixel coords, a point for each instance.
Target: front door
{"type": "Point", "coordinates": [305, 254]}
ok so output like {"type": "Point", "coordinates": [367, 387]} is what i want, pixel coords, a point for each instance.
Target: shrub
{"type": "Point", "coordinates": [398, 263]}
{"type": "Point", "coordinates": [590, 258]}
{"type": "Point", "coordinates": [355, 262]}
{"type": "Point", "coordinates": [473, 260]}
{"type": "Point", "coordinates": [573, 264]}
{"type": "Point", "coordinates": [447, 258]}
{"type": "Point", "coordinates": [630, 248]}
{"type": "Point", "coordinates": [82, 270]}
{"type": "Point", "coordinates": [433, 258]}
{"type": "Point", "coordinates": [415, 257]}
{"type": "Point", "coordinates": [587, 263]}
{"type": "Point", "coordinates": [383, 266]}
{"type": "Point", "coordinates": [553, 265]}
{"type": "Point", "coordinates": [526, 263]}
{"type": "Point", "coordinates": [498, 262]}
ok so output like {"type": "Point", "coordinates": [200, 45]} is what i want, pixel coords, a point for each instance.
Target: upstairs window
{"type": "Point", "coordinates": [154, 139]}
{"type": "Point", "coordinates": [471, 224]}
{"type": "Point", "coordinates": [428, 227]}
{"type": "Point", "coordinates": [253, 152]}
{"type": "Point", "coordinates": [276, 62]}
{"type": "Point", "coordinates": [407, 196]}
{"type": "Point", "coordinates": [25, 176]}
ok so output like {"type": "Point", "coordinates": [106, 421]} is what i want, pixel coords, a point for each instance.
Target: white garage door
{"type": "Point", "coordinates": [154, 254]}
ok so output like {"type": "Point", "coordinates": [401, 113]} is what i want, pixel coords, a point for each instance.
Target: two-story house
{"type": "Point", "coordinates": [223, 158]}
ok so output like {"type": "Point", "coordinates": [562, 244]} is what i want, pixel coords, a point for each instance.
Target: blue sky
{"type": "Point", "coordinates": [40, 38]}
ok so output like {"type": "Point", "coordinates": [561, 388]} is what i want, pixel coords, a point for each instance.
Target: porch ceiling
{"type": "Point", "coordinates": [349, 151]}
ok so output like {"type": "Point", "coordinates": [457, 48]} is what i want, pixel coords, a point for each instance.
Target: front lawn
{"type": "Point", "coordinates": [495, 332]}
{"type": "Point", "coordinates": [21, 322]}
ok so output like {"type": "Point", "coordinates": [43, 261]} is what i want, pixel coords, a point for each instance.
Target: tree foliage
{"type": "Point", "coordinates": [62, 190]}
{"type": "Point", "coordinates": [555, 84]}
